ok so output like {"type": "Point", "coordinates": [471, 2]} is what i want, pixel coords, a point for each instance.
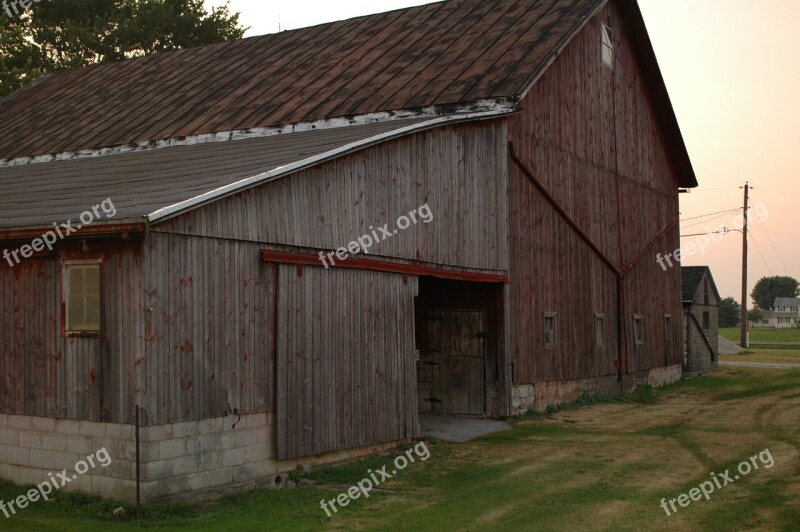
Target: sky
{"type": "Point", "coordinates": [732, 69]}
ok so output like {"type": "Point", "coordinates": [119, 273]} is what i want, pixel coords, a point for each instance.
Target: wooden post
{"type": "Point", "coordinates": [744, 342]}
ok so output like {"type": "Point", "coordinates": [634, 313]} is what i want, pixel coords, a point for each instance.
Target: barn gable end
{"type": "Point", "coordinates": [592, 137]}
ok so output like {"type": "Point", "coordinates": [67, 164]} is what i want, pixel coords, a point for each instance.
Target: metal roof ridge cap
{"type": "Point", "coordinates": [248, 182]}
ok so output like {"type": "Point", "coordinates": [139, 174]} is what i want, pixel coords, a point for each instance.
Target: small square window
{"type": "Point", "coordinates": [82, 297]}
{"type": "Point", "coordinates": [550, 330]}
{"type": "Point", "coordinates": [607, 44]}
{"type": "Point", "coordinates": [599, 330]}
{"type": "Point", "coordinates": [706, 321]}
{"type": "Point", "coordinates": [638, 329]}
{"type": "Point", "coordinates": [667, 327]}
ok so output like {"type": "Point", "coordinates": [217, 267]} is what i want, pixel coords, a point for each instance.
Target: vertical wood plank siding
{"type": "Point", "coordinates": [460, 172]}
{"type": "Point", "coordinates": [43, 373]}
{"type": "Point", "coordinates": [346, 373]}
{"type": "Point", "coordinates": [590, 135]}
{"type": "Point", "coordinates": [210, 347]}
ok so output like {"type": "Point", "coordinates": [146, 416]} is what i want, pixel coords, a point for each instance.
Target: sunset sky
{"type": "Point", "coordinates": [732, 68]}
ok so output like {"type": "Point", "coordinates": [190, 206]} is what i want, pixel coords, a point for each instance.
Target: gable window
{"type": "Point", "coordinates": [599, 330]}
{"type": "Point", "coordinates": [638, 329]}
{"type": "Point", "coordinates": [550, 330]}
{"type": "Point", "coordinates": [607, 44]}
{"type": "Point", "coordinates": [667, 327]}
{"type": "Point", "coordinates": [82, 297]}
{"type": "Point", "coordinates": [706, 321]}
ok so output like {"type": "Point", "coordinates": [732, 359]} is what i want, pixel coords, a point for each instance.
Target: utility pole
{"type": "Point", "coordinates": [744, 338]}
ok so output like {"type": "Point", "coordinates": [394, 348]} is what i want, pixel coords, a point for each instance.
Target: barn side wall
{"type": "Point", "coordinates": [45, 374]}
{"type": "Point", "coordinates": [458, 171]}
{"type": "Point", "coordinates": [590, 136]}
{"type": "Point", "coordinates": [210, 329]}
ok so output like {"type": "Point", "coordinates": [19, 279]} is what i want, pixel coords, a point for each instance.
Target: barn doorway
{"type": "Point", "coordinates": [457, 338]}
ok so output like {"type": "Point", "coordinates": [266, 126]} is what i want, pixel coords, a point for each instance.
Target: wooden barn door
{"type": "Point", "coordinates": [346, 366]}
{"type": "Point", "coordinates": [456, 357]}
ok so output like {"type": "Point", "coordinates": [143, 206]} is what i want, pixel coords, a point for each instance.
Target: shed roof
{"type": "Point", "coordinates": [692, 279]}
{"type": "Point", "coordinates": [158, 183]}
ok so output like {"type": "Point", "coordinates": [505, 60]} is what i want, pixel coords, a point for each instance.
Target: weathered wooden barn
{"type": "Point", "coordinates": [535, 138]}
{"type": "Point", "coordinates": [700, 320]}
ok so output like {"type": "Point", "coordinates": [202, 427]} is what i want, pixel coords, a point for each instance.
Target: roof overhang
{"type": "Point", "coordinates": [97, 229]}
{"type": "Point", "coordinates": [264, 177]}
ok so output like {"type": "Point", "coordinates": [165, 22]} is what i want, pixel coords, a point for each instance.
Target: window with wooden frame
{"type": "Point", "coordinates": [638, 329]}
{"type": "Point", "coordinates": [667, 327]}
{"type": "Point", "coordinates": [599, 330]}
{"type": "Point", "coordinates": [607, 45]}
{"type": "Point", "coordinates": [706, 321]}
{"type": "Point", "coordinates": [82, 297]}
{"type": "Point", "coordinates": [550, 329]}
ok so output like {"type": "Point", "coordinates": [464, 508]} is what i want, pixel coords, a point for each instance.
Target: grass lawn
{"type": "Point", "coordinates": [601, 467]}
{"type": "Point", "coordinates": [775, 356]}
{"type": "Point", "coordinates": [763, 335]}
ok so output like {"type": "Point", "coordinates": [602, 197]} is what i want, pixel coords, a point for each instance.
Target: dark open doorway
{"type": "Point", "coordinates": [457, 329]}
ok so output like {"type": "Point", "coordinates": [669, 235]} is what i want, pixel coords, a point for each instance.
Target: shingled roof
{"type": "Point", "coordinates": [447, 54]}
{"type": "Point", "coordinates": [692, 279]}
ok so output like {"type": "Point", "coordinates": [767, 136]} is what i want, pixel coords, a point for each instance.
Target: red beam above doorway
{"type": "Point", "coordinates": [382, 265]}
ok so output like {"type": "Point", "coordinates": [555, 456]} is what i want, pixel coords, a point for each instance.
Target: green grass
{"type": "Point", "coordinates": [596, 464]}
{"type": "Point", "coordinates": [766, 354]}
{"type": "Point", "coordinates": [763, 335]}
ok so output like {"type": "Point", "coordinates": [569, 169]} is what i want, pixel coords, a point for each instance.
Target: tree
{"type": "Point", "coordinates": [730, 313]}
{"type": "Point", "coordinates": [19, 58]}
{"type": "Point", "coordinates": [755, 315]}
{"type": "Point", "coordinates": [768, 288]}
{"type": "Point", "coordinates": [60, 34]}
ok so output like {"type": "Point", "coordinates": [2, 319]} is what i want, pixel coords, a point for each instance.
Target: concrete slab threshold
{"type": "Point", "coordinates": [459, 429]}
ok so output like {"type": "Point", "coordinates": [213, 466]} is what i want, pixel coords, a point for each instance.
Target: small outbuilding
{"type": "Point", "coordinates": [700, 320]}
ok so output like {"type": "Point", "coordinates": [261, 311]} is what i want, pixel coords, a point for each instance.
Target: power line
{"type": "Point", "coordinates": [790, 212]}
{"type": "Point", "coordinates": [695, 191]}
{"type": "Point", "coordinates": [761, 254]}
{"type": "Point", "coordinates": [779, 192]}
{"type": "Point", "coordinates": [777, 233]}
{"type": "Point", "coordinates": [774, 246]}
{"type": "Point", "coordinates": [710, 219]}
{"type": "Point", "coordinates": [710, 214]}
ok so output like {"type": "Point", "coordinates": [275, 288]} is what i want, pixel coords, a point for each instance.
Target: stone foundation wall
{"type": "Point", "coordinates": [539, 395]}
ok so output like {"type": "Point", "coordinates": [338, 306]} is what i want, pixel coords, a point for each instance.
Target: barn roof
{"type": "Point", "coordinates": [692, 279]}
{"type": "Point", "coordinates": [157, 183]}
{"type": "Point", "coordinates": [462, 58]}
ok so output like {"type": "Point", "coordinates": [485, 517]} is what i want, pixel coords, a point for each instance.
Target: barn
{"type": "Point", "coordinates": [281, 250]}
{"type": "Point", "coordinates": [700, 320]}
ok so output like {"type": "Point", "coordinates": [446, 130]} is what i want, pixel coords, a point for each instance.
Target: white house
{"type": "Point", "coordinates": [787, 304]}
